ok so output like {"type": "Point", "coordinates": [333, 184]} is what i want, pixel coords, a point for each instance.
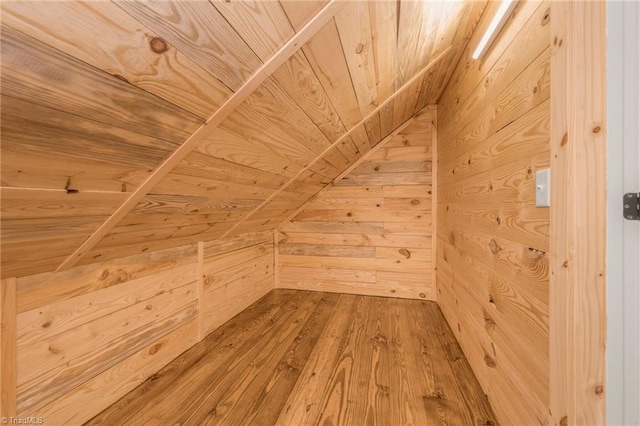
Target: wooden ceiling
{"type": "Point", "coordinates": [131, 126]}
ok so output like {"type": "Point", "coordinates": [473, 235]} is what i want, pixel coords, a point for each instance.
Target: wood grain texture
{"type": "Point", "coordinates": [298, 79]}
{"type": "Point", "coordinates": [202, 133]}
{"type": "Point", "coordinates": [578, 214]}
{"type": "Point", "coordinates": [86, 336]}
{"type": "Point", "coordinates": [39, 290]}
{"type": "Point", "coordinates": [191, 99]}
{"type": "Point", "coordinates": [354, 28]}
{"type": "Point", "coordinates": [299, 13]}
{"type": "Point", "coordinates": [103, 35]}
{"type": "Point", "coordinates": [298, 357]}
{"type": "Point", "coordinates": [32, 72]}
{"type": "Point", "coordinates": [346, 235]}
{"type": "Point", "coordinates": [264, 26]}
{"type": "Point", "coordinates": [235, 274]}
{"type": "Point", "coordinates": [324, 53]}
{"type": "Point", "coordinates": [246, 225]}
{"type": "Point", "coordinates": [190, 28]}
{"type": "Point", "coordinates": [434, 195]}
{"type": "Point", "coordinates": [492, 245]}
{"type": "Point", "coordinates": [8, 357]}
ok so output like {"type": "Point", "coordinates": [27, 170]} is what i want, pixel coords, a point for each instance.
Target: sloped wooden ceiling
{"type": "Point", "coordinates": [131, 126]}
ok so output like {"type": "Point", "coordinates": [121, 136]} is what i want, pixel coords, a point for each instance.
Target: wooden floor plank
{"type": "Point", "coordinates": [302, 358]}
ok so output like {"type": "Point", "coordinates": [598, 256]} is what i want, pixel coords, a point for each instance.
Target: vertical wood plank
{"type": "Point", "coordinates": [276, 266]}
{"type": "Point", "coordinates": [384, 33]}
{"type": "Point", "coordinates": [200, 269]}
{"type": "Point", "coordinates": [354, 29]}
{"type": "Point", "coordinates": [558, 294]}
{"type": "Point", "coordinates": [324, 53]}
{"type": "Point", "coordinates": [433, 110]}
{"type": "Point", "coordinates": [578, 213]}
{"type": "Point", "coordinates": [8, 377]}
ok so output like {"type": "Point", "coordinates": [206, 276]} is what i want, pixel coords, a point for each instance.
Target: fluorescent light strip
{"type": "Point", "coordinates": [496, 25]}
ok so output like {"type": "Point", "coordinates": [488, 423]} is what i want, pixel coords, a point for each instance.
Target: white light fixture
{"type": "Point", "coordinates": [496, 25]}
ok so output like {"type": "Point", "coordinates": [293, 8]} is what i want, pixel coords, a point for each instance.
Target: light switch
{"type": "Point", "coordinates": [543, 188]}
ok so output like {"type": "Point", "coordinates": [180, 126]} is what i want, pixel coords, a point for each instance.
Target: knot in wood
{"type": "Point", "coordinates": [494, 247]}
{"type": "Point", "coordinates": [546, 17]}
{"type": "Point", "coordinates": [158, 45]}
{"type": "Point", "coordinates": [489, 323]}
{"type": "Point", "coordinates": [489, 361]}
{"type": "Point", "coordinates": [599, 390]}
{"type": "Point", "coordinates": [155, 348]}
{"type": "Point", "coordinates": [359, 48]}
{"type": "Point", "coordinates": [379, 340]}
{"type": "Point", "coordinates": [406, 253]}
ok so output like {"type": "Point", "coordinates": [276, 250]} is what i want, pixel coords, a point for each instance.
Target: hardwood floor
{"type": "Point", "coordinates": [302, 358]}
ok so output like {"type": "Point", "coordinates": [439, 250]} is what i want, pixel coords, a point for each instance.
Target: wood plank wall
{"type": "Point", "coordinates": [370, 233]}
{"type": "Point", "coordinates": [578, 214]}
{"type": "Point", "coordinates": [493, 243]}
{"type": "Point", "coordinates": [86, 336]}
{"type": "Point", "coordinates": [237, 271]}
{"type": "Point", "coordinates": [162, 132]}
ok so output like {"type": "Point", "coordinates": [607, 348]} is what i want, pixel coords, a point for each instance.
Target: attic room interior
{"type": "Point", "coordinates": [303, 212]}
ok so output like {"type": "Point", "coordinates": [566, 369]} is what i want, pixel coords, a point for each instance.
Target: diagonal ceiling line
{"type": "Point", "coordinates": [204, 130]}
{"type": "Point", "coordinates": [357, 163]}
{"type": "Point", "coordinates": [418, 75]}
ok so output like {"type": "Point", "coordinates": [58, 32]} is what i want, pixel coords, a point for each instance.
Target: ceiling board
{"type": "Point", "coordinates": [313, 94]}
{"type": "Point", "coordinates": [324, 53]}
{"type": "Point", "coordinates": [208, 167]}
{"type": "Point", "coordinates": [18, 203]}
{"type": "Point", "coordinates": [383, 16]}
{"type": "Point", "coordinates": [271, 102]}
{"type": "Point", "coordinates": [106, 37]}
{"type": "Point", "coordinates": [48, 170]}
{"type": "Point", "coordinates": [263, 25]}
{"type": "Point", "coordinates": [300, 12]}
{"type": "Point", "coordinates": [29, 128]}
{"type": "Point", "coordinates": [200, 32]}
{"type": "Point", "coordinates": [235, 148]}
{"type": "Point", "coordinates": [39, 74]}
{"type": "Point", "coordinates": [354, 29]}
{"type": "Point", "coordinates": [298, 79]}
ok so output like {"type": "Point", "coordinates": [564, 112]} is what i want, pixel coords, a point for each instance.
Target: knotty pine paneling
{"type": "Point", "coordinates": [8, 374]}
{"type": "Point", "coordinates": [64, 122]}
{"type": "Point", "coordinates": [493, 243]}
{"type": "Point", "coordinates": [370, 233]}
{"type": "Point", "coordinates": [201, 33]}
{"type": "Point", "coordinates": [88, 335]}
{"type": "Point", "coordinates": [106, 37]}
{"type": "Point", "coordinates": [94, 111]}
{"type": "Point", "coordinates": [237, 271]}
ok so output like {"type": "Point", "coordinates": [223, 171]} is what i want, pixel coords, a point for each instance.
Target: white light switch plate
{"type": "Point", "coordinates": [543, 188]}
